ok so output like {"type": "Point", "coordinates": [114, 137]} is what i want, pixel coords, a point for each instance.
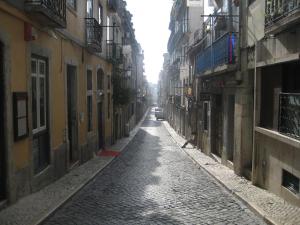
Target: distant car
{"type": "Point", "coordinates": [159, 113]}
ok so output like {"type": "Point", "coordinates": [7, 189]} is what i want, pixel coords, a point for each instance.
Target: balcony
{"type": "Point", "coordinates": [289, 114]}
{"type": "Point", "coordinates": [114, 52]}
{"type": "Point", "coordinates": [113, 5]}
{"type": "Point", "coordinates": [93, 35]}
{"type": "Point", "coordinates": [221, 52]}
{"type": "Point", "coordinates": [174, 70]}
{"type": "Point", "coordinates": [174, 39]}
{"type": "Point", "coordinates": [49, 13]}
{"type": "Point", "coordinates": [281, 15]}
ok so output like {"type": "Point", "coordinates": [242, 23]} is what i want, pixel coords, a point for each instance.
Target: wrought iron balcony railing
{"type": "Point", "coordinates": [114, 52]}
{"type": "Point", "coordinates": [48, 12]}
{"type": "Point", "coordinates": [183, 29]}
{"type": "Point", "coordinates": [221, 52]}
{"type": "Point", "coordinates": [93, 35]}
{"type": "Point", "coordinates": [277, 10]}
{"type": "Point", "coordinates": [289, 114]}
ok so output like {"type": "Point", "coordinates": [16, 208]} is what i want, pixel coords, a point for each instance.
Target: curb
{"type": "Point", "coordinates": [252, 207]}
{"type": "Point", "coordinates": [60, 204]}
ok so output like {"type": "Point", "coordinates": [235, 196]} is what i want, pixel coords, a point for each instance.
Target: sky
{"type": "Point", "coordinates": [151, 23]}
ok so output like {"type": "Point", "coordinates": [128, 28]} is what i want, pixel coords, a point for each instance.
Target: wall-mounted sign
{"type": "Point", "coordinates": [20, 115]}
{"type": "Point", "coordinates": [195, 3]}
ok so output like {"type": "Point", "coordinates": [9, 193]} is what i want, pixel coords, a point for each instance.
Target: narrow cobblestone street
{"type": "Point", "coordinates": [153, 182]}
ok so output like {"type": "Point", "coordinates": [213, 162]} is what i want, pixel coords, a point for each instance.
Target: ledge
{"type": "Point", "coordinates": [273, 61]}
{"type": "Point", "coordinates": [218, 70]}
{"type": "Point", "coordinates": [279, 137]}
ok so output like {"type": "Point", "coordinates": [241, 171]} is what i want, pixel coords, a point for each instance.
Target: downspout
{"type": "Point", "coordinates": [239, 75]}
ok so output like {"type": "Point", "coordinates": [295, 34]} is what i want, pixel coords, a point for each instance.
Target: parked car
{"type": "Point", "coordinates": [159, 113]}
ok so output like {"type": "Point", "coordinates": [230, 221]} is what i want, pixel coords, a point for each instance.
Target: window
{"type": "Point", "coordinates": [100, 14]}
{"type": "Point", "coordinates": [72, 3]}
{"type": "Point", "coordinates": [89, 8]}
{"type": "Point", "coordinates": [100, 79]}
{"type": "Point", "coordinates": [280, 96]}
{"type": "Point", "coordinates": [290, 182]}
{"type": "Point", "coordinates": [89, 87]}
{"type": "Point", "coordinates": [38, 86]}
{"type": "Point", "coordinates": [107, 29]}
{"type": "Point", "coordinates": [205, 115]}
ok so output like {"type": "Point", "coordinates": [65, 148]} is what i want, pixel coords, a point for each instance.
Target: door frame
{"type": "Point", "coordinates": [216, 125]}
{"type": "Point", "coordinates": [3, 142]}
{"type": "Point", "coordinates": [47, 130]}
{"type": "Point", "coordinates": [70, 164]}
{"type": "Point", "coordinates": [10, 188]}
{"type": "Point", "coordinates": [100, 110]}
{"type": "Point", "coordinates": [100, 99]}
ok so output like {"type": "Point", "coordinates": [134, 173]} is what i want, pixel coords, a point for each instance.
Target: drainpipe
{"type": "Point", "coordinates": [230, 18]}
{"type": "Point", "coordinates": [240, 44]}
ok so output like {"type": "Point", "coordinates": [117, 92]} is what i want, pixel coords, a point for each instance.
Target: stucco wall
{"type": "Point", "coordinates": [273, 155]}
{"type": "Point", "coordinates": [59, 51]}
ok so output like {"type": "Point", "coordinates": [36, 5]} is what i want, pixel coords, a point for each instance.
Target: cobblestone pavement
{"type": "Point", "coordinates": [153, 182]}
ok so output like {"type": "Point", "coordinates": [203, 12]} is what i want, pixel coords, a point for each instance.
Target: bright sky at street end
{"type": "Point", "coordinates": [151, 23]}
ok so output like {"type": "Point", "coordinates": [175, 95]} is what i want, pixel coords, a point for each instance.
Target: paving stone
{"type": "Point", "coordinates": [153, 182]}
{"type": "Point", "coordinates": [268, 205]}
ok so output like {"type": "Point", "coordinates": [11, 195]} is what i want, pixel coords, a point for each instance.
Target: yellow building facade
{"type": "Point", "coordinates": [56, 92]}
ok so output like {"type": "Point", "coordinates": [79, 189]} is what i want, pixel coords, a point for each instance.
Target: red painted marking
{"type": "Point", "coordinates": [108, 153]}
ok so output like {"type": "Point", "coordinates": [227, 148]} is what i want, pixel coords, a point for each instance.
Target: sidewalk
{"type": "Point", "coordinates": [272, 208]}
{"type": "Point", "coordinates": [33, 209]}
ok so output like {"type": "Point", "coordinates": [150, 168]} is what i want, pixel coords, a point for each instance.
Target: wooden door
{"type": "Point", "coordinates": [72, 113]}
{"type": "Point", "coordinates": [2, 127]}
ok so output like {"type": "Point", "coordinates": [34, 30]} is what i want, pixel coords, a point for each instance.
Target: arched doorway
{"type": "Point", "coordinates": [100, 104]}
{"type": "Point", "coordinates": [2, 127]}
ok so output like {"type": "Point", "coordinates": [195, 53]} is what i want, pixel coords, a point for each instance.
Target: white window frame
{"type": "Point", "coordinates": [87, 8]}
{"type": "Point", "coordinates": [107, 28]}
{"type": "Point", "coordinates": [38, 75]}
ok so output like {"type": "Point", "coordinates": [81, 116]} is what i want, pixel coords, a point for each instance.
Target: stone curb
{"type": "Point", "coordinates": [129, 139]}
{"type": "Point", "coordinates": [254, 207]}
{"type": "Point", "coordinates": [27, 211]}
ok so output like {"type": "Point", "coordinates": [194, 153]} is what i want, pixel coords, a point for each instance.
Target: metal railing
{"type": "Point", "coordinates": [221, 52]}
{"type": "Point", "coordinates": [175, 37]}
{"type": "Point", "coordinates": [114, 52]}
{"type": "Point", "coordinates": [54, 9]}
{"type": "Point", "coordinates": [93, 34]}
{"type": "Point", "coordinates": [279, 9]}
{"type": "Point", "coordinates": [289, 114]}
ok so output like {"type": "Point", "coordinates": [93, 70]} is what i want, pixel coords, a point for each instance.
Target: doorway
{"type": "Point", "coordinates": [39, 107]}
{"type": "Point", "coordinates": [2, 127]}
{"type": "Point", "coordinates": [100, 127]}
{"type": "Point", "coordinates": [216, 126]}
{"type": "Point", "coordinates": [72, 114]}
{"type": "Point", "coordinates": [230, 127]}
{"type": "Point", "coordinates": [100, 115]}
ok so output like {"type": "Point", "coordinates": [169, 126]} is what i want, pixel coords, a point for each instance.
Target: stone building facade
{"type": "Point", "coordinates": [57, 64]}
{"type": "Point", "coordinates": [244, 108]}
{"type": "Point", "coordinates": [184, 21]}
